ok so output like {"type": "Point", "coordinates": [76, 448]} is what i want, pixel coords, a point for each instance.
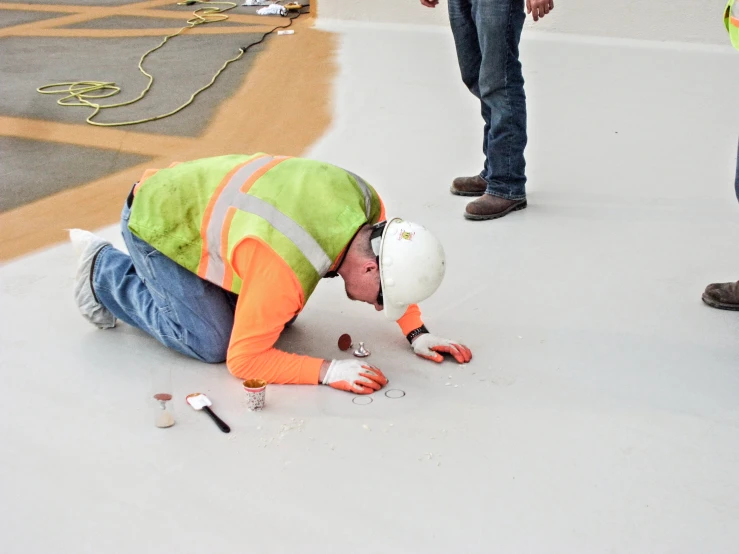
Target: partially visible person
{"type": "Point", "coordinates": [486, 35]}
{"type": "Point", "coordinates": [725, 296]}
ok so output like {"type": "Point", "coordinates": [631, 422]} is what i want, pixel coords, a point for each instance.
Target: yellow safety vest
{"type": "Point", "coordinates": [731, 20]}
{"type": "Point", "coordinates": [198, 212]}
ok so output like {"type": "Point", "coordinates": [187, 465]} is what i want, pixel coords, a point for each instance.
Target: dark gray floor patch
{"type": "Point", "coordinates": [243, 10]}
{"type": "Point", "coordinates": [87, 3]}
{"type": "Point", "coordinates": [180, 67]}
{"type": "Point", "coordinates": [239, 10]}
{"type": "Point", "coordinates": [130, 22]}
{"type": "Point", "coordinates": [9, 18]}
{"type": "Point", "coordinates": [31, 169]}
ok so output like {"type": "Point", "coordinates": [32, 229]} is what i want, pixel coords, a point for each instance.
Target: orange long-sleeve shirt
{"type": "Point", "coordinates": [270, 297]}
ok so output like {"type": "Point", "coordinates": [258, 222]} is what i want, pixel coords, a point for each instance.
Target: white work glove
{"type": "Point", "coordinates": [430, 347]}
{"type": "Point", "coordinates": [354, 376]}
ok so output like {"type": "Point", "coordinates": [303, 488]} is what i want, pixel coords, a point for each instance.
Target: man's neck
{"type": "Point", "coordinates": [348, 252]}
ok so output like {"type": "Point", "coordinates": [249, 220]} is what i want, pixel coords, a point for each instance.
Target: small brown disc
{"type": "Point", "coordinates": [163, 396]}
{"type": "Point", "coordinates": [345, 342]}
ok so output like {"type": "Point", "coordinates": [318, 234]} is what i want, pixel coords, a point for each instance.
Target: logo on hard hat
{"type": "Point", "coordinates": [406, 235]}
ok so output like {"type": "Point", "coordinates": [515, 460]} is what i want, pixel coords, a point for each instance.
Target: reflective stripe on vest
{"type": "Point", "coordinates": [365, 191]}
{"type": "Point", "coordinates": [234, 194]}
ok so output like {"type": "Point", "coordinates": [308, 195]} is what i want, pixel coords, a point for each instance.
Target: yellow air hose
{"type": "Point", "coordinates": [84, 91]}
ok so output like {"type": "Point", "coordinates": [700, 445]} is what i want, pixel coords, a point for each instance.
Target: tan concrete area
{"type": "Point", "coordinates": [248, 108]}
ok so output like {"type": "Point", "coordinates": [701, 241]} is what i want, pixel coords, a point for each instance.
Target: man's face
{"type": "Point", "coordinates": [364, 285]}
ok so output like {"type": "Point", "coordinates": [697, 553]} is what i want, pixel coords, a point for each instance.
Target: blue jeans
{"type": "Point", "coordinates": [486, 34]}
{"type": "Point", "coordinates": [175, 306]}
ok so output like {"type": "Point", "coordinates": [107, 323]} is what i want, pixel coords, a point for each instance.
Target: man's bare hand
{"type": "Point", "coordinates": [430, 3]}
{"type": "Point", "coordinates": [538, 8]}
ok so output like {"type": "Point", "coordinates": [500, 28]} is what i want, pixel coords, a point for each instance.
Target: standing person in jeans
{"type": "Point", "coordinates": [725, 296]}
{"type": "Point", "coordinates": [486, 34]}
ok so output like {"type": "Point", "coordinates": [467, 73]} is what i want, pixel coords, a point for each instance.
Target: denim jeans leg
{"type": "Point", "coordinates": [499, 26]}
{"type": "Point", "coordinates": [500, 85]}
{"type": "Point", "coordinates": [149, 291]}
{"type": "Point", "coordinates": [469, 57]}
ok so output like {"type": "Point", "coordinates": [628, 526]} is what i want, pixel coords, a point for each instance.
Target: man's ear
{"type": "Point", "coordinates": [369, 266]}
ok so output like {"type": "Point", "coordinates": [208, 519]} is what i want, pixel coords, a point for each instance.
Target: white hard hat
{"type": "Point", "coordinates": [412, 264]}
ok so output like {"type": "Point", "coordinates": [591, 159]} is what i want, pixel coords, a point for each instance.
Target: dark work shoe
{"type": "Point", "coordinates": [724, 296]}
{"type": "Point", "coordinates": [469, 186]}
{"type": "Point", "coordinates": [492, 207]}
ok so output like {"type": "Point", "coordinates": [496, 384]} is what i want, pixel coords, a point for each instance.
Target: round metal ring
{"type": "Point", "coordinates": [401, 395]}
{"type": "Point", "coordinates": [362, 398]}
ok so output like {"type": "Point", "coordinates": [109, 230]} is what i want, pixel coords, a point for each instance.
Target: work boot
{"type": "Point", "coordinates": [724, 296]}
{"type": "Point", "coordinates": [469, 186]}
{"type": "Point", "coordinates": [492, 207]}
{"type": "Point", "coordinates": [88, 246]}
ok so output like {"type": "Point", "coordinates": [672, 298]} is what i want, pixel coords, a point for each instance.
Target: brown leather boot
{"type": "Point", "coordinates": [724, 296]}
{"type": "Point", "coordinates": [492, 207]}
{"type": "Point", "coordinates": [469, 186]}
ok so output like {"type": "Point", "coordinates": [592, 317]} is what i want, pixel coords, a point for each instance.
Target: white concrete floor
{"type": "Point", "coordinates": [599, 413]}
